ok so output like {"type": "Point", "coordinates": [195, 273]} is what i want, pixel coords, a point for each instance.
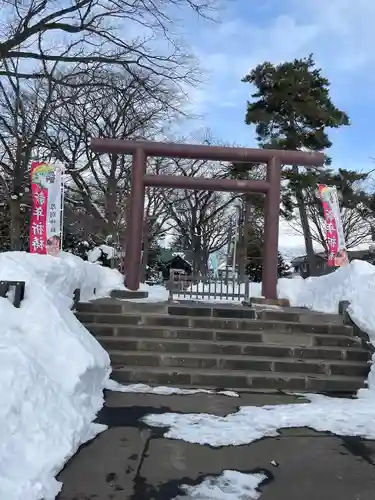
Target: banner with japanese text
{"type": "Point", "coordinates": [337, 253]}
{"type": "Point", "coordinates": [45, 220]}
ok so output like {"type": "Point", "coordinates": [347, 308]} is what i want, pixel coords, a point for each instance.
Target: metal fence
{"type": "Point", "coordinates": [224, 287]}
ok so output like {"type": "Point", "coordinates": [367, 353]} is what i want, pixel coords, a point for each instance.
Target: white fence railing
{"type": "Point", "coordinates": [225, 287]}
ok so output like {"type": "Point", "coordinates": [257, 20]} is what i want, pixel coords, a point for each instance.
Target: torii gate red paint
{"type": "Point", "coordinates": [140, 150]}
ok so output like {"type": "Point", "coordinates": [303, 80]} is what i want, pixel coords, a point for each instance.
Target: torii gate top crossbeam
{"type": "Point", "coordinates": [201, 152]}
{"type": "Point", "coordinates": [270, 187]}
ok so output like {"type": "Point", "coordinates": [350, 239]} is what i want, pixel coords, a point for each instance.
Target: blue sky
{"type": "Point", "coordinates": [341, 35]}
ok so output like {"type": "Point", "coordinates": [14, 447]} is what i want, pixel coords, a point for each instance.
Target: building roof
{"type": "Point", "coordinates": [303, 258]}
{"type": "Point", "coordinates": [352, 254]}
{"type": "Point", "coordinates": [358, 254]}
{"type": "Point", "coordinates": [178, 260]}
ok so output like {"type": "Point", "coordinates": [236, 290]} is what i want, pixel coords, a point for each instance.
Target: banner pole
{"type": "Point", "coordinates": [62, 207]}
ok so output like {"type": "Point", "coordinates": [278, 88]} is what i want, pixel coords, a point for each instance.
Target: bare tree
{"type": "Point", "coordinates": [123, 110]}
{"type": "Point", "coordinates": [200, 219]}
{"type": "Point", "coordinates": [156, 200]}
{"type": "Point", "coordinates": [25, 107]}
{"type": "Point", "coordinates": [48, 48]}
{"type": "Point", "coordinates": [35, 30]}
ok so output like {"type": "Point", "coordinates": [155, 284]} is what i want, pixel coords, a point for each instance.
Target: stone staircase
{"type": "Point", "coordinates": [227, 346]}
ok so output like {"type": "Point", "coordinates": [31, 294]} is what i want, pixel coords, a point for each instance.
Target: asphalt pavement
{"type": "Point", "coordinates": [131, 461]}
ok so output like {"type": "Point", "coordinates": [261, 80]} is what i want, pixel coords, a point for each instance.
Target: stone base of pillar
{"type": "Point", "coordinates": [129, 294]}
{"type": "Point", "coordinates": [270, 302]}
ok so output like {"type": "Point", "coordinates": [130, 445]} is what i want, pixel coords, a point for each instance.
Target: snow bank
{"type": "Point", "coordinates": [354, 283]}
{"type": "Point", "coordinates": [230, 485]}
{"type": "Point", "coordinates": [162, 390]}
{"type": "Point", "coordinates": [52, 371]}
{"type": "Point", "coordinates": [156, 293]}
{"type": "Point", "coordinates": [95, 254]}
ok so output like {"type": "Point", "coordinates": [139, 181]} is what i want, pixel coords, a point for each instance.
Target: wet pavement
{"type": "Point", "coordinates": [131, 461]}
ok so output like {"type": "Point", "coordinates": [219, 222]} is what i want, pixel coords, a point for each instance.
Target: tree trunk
{"type": "Point", "coordinates": [111, 208]}
{"type": "Point", "coordinates": [229, 246]}
{"type": "Point", "coordinates": [146, 247]}
{"type": "Point", "coordinates": [204, 268]}
{"type": "Point", "coordinates": [306, 229]}
{"type": "Point", "coordinates": [15, 225]}
{"type": "Point", "coordinates": [237, 241]}
{"type": "Point", "coordinates": [244, 239]}
{"type": "Point", "coordinates": [197, 250]}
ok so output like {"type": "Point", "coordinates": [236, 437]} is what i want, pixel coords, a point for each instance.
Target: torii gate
{"type": "Point", "coordinates": [140, 150]}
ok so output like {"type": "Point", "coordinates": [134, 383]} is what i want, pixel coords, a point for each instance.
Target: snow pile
{"type": "Point", "coordinates": [52, 371]}
{"type": "Point", "coordinates": [231, 485]}
{"type": "Point", "coordinates": [161, 390]}
{"type": "Point", "coordinates": [156, 293]}
{"type": "Point", "coordinates": [354, 283]}
{"type": "Point", "coordinates": [102, 251]}
{"type": "Point", "coordinates": [86, 276]}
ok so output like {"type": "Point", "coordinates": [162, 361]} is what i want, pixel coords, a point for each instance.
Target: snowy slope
{"type": "Point", "coordinates": [52, 371]}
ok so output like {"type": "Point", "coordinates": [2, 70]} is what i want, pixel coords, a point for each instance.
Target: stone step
{"type": "Point", "coordinates": [269, 302]}
{"type": "Point", "coordinates": [115, 306]}
{"type": "Point", "coordinates": [213, 323]}
{"type": "Point", "coordinates": [243, 362]}
{"type": "Point", "coordinates": [153, 345]}
{"type": "Point", "coordinates": [111, 306]}
{"type": "Point", "coordinates": [298, 316]}
{"type": "Point", "coordinates": [129, 294]}
{"type": "Point", "coordinates": [264, 313]}
{"type": "Point", "coordinates": [237, 380]}
{"type": "Point", "coordinates": [204, 310]}
{"type": "Point", "coordinates": [212, 311]}
{"type": "Point", "coordinates": [293, 339]}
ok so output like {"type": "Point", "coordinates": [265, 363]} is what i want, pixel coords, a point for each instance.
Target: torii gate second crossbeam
{"type": "Point", "coordinates": [140, 150]}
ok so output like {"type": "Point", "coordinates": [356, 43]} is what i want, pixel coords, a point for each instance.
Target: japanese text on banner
{"type": "Point", "coordinates": [45, 222]}
{"type": "Point", "coordinates": [337, 253]}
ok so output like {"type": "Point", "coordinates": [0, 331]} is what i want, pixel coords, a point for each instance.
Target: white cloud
{"type": "Point", "coordinates": [339, 32]}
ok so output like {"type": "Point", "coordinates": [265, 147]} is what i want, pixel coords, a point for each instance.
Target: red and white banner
{"type": "Point", "coordinates": [45, 220]}
{"type": "Point", "coordinates": [337, 253]}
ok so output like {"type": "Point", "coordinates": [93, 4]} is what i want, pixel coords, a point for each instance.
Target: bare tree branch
{"type": "Point", "coordinates": [130, 108]}
{"type": "Point", "coordinates": [97, 30]}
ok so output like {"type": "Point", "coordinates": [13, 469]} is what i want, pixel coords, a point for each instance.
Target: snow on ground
{"type": "Point", "coordinates": [344, 417]}
{"type": "Point", "coordinates": [52, 371]}
{"type": "Point", "coordinates": [353, 417]}
{"type": "Point", "coordinates": [230, 485]}
{"type": "Point", "coordinates": [163, 390]}
{"type": "Point", "coordinates": [156, 293]}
